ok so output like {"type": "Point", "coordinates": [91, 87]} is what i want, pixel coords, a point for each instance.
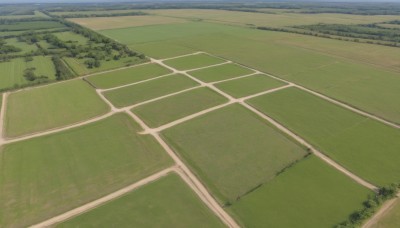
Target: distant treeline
{"type": "Point", "coordinates": [82, 15]}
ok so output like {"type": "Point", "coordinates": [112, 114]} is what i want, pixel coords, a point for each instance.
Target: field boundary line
{"type": "Point", "coordinates": [327, 98]}
{"type": "Point", "coordinates": [205, 196]}
{"type": "Point", "coordinates": [386, 207]}
{"type": "Point", "coordinates": [101, 201]}
{"type": "Point", "coordinates": [181, 56]}
{"type": "Point", "coordinates": [233, 79]}
{"type": "Point", "coordinates": [206, 67]}
{"type": "Point", "coordinates": [2, 117]}
{"type": "Point", "coordinates": [265, 92]}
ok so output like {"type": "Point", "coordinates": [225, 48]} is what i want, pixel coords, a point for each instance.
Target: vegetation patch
{"type": "Point", "coordinates": [193, 62]}
{"type": "Point", "coordinates": [50, 107]}
{"type": "Point", "coordinates": [172, 108]}
{"type": "Point", "coordinates": [135, 94]}
{"type": "Point", "coordinates": [364, 146]}
{"type": "Point", "coordinates": [174, 203]}
{"type": "Point", "coordinates": [250, 85]}
{"type": "Point", "coordinates": [46, 176]}
{"type": "Point", "coordinates": [232, 144]}
{"type": "Point", "coordinates": [127, 76]}
{"type": "Point", "coordinates": [221, 72]}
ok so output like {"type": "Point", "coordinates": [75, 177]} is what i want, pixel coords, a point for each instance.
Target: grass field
{"type": "Point", "coordinates": [328, 66]}
{"type": "Point", "coordinates": [193, 62]}
{"type": "Point", "coordinates": [72, 38]}
{"type": "Point", "coordinates": [127, 76]}
{"type": "Point", "coordinates": [148, 90]}
{"type": "Point", "coordinates": [232, 150]}
{"type": "Point", "coordinates": [172, 108]}
{"type": "Point", "coordinates": [248, 86]}
{"type": "Point", "coordinates": [168, 202]}
{"type": "Point", "coordinates": [46, 176]}
{"type": "Point", "coordinates": [364, 146]}
{"type": "Point", "coordinates": [221, 72]}
{"type": "Point", "coordinates": [51, 107]}
{"type": "Point", "coordinates": [391, 219]}
{"type": "Point", "coordinates": [102, 23]}
{"type": "Point", "coordinates": [31, 25]}
{"type": "Point", "coordinates": [25, 48]}
{"type": "Point", "coordinates": [12, 72]}
{"type": "Point", "coordinates": [308, 194]}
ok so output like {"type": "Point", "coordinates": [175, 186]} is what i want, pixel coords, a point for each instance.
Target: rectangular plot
{"type": "Point", "coordinates": [149, 90]}
{"type": "Point", "coordinates": [222, 72]}
{"type": "Point", "coordinates": [250, 85]}
{"type": "Point", "coordinates": [50, 107]}
{"type": "Point", "coordinates": [233, 150]}
{"type": "Point", "coordinates": [167, 202]}
{"type": "Point", "coordinates": [172, 108]}
{"type": "Point", "coordinates": [127, 76]}
{"type": "Point", "coordinates": [308, 194]}
{"type": "Point", "coordinates": [364, 146]}
{"type": "Point", "coordinates": [46, 176]}
{"type": "Point", "coordinates": [193, 62]}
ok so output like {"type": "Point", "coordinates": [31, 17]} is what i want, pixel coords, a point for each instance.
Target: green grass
{"type": "Point", "coordinates": [222, 72]}
{"type": "Point", "coordinates": [167, 202]}
{"type": "Point", "coordinates": [364, 146]}
{"type": "Point", "coordinates": [149, 90]}
{"type": "Point", "coordinates": [25, 48]}
{"type": "Point", "coordinates": [193, 62]}
{"type": "Point", "coordinates": [162, 50]}
{"type": "Point", "coordinates": [13, 71]}
{"type": "Point", "coordinates": [391, 219]}
{"type": "Point", "coordinates": [309, 194]}
{"type": "Point", "coordinates": [127, 76]}
{"type": "Point", "coordinates": [232, 150]}
{"type": "Point", "coordinates": [172, 108]}
{"type": "Point", "coordinates": [50, 107]}
{"type": "Point", "coordinates": [47, 176]}
{"type": "Point", "coordinates": [72, 37]}
{"type": "Point", "coordinates": [250, 85]}
{"type": "Point", "coordinates": [31, 25]}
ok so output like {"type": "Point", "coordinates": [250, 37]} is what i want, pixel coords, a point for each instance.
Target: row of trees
{"type": "Point", "coordinates": [62, 71]}
{"type": "Point", "coordinates": [83, 15]}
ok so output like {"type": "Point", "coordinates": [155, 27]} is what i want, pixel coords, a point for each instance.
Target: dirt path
{"type": "Point", "coordinates": [385, 208]}
{"type": "Point", "coordinates": [2, 117]}
{"type": "Point", "coordinates": [89, 206]}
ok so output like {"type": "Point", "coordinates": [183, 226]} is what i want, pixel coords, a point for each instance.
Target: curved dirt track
{"type": "Point", "coordinates": [386, 207]}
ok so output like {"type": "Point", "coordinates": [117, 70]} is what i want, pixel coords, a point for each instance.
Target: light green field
{"type": "Point", "coordinates": [172, 108]}
{"type": "Point", "coordinates": [12, 72]}
{"type": "Point", "coordinates": [30, 25]}
{"type": "Point", "coordinates": [127, 76]}
{"type": "Point", "coordinates": [46, 176]}
{"type": "Point", "coordinates": [72, 37]}
{"type": "Point", "coordinates": [163, 50]}
{"type": "Point", "coordinates": [25, 48]}
{"type": "Point", "coordinates": [308, 194]}
{"type": "Point", "coordinates": [168, 202]}
{"type": "Point", "coordinates": [390, 219]}
{"type": "Point", "coordinates": [79, 67]}
{"type": "Point", "coordinates": [232, 150]}
{"type": "Point", "coordinates": [193, 62]}
{"type": "Point", "coordinates": [248, 86]}
{"type": "Point", "coordinates": [149, 90]}
{"type": "Point", "coordinates": [221, 72]}
{"type": "Point", "coordinates": [346, 71]}
{"type": "Point", "coordinates": [50, 107]}
{"type": "Point", "coordinates": [364, 146]}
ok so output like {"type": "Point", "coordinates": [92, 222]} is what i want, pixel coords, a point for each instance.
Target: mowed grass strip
{"type": "Point", "coordinates": [134, 94]}
{"type": "Point", "coordinates": [193, 61]}
{"type": "Point", "coordinates": [249, 85]}
{"type": "Point", "coordinates": [308, 194]}
{"type": "Point", "coordinates": [50, 107]}
{"type": "Point", "coordinates": [233, 150]}
{"type": "Point", "coordinates": [366, 147]}
{"type": "Point", "coordinates": [127, 76]}
{"type": "Point", "coordinates": [172, 108]}
{"type": "Point", "coordinates": [167, 202]}
{"type": "Point", "coordinates": [46, 176]}
{"type": "Point", "coordinates": [221, 72]}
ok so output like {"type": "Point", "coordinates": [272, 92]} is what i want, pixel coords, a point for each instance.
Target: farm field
{"type": "Point", "coordinates": [308, 194]}
{"type": "Point", "coordinates": [221, 72]}
{"type": "Point", "coordinates": [170, 198]}
{"type": "Point", "coordinates": [249, 85]}
{"type": "Point", "coordinates": [193, 62]}
{"type": "Point", "coordinates": [25, 48]}
{"type": "Point", "coordinates": [72, 38]}
{"type": "Point", "coordinates": [127, 76]}
{"type": "Point", "coordinates": [64, 170]}
{"type": "Point", "coordinates": [275, 53]}
{"type": "Point", "coordinates": [41, 109]}
{"type": "Point", "coordinates": [172, 108]}
{"type": "Point", "coordinates": [30, 25]}
{"type": "Point", "coordinates": [135, 94]}
{"type": "Point", "coordinates": [12, 71]}
{"type": "Point", "coordinates": [391, 219]}
{"type": "Point", "coordinates": [364, 146]}
{"type": "Point", "coordinates": [239, 146]}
